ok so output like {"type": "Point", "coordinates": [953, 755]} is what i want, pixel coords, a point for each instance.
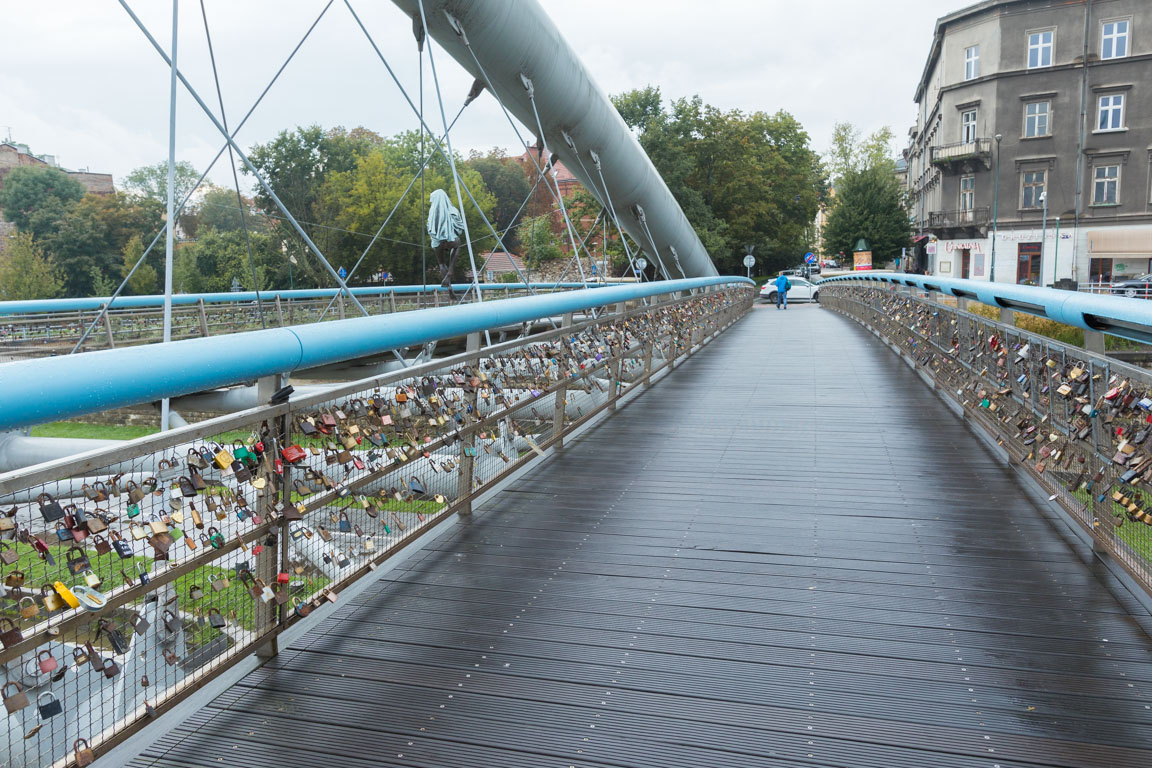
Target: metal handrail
{"type": "Point", "coordinates": [1073, 420]}
{"type": "Point", "coordinates": [1114, 315]}
{"type": "Point", "coordinates": [49, 389]}
{"type": "Point", "coordinates": [475, 418]}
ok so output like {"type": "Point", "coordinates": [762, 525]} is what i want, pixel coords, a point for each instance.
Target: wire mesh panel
{"type": "Point", "coordinates": [1077, 422]}
{"type": "Point", "coordinates": [131, 576]}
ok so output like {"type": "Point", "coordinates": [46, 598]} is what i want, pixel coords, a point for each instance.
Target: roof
{"type": "Point", "coordinates": [501, 262]}
{"type": "Point", "coordinates": [938, 35]}
{"type": "Point", "coordinates": [530, 160]}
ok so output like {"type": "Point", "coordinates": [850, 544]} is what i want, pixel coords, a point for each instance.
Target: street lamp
{"type": "Point", "coordinates": [995, 211]}
{"type": "Point", "coordinates": [1043, 232]}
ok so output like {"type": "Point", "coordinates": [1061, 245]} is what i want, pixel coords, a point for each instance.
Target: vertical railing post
{"type": "Point", "coordinates": [392, 302]}
{"type": "Point", "coordinates": [279, 311]}
{"type": "Point", "coordinates": [203, 317]}
{"type": "Point", "coordinates": [561, 396]}
{"type": "Point", "coordinates": [273, 556]}
{"type": "Point", "coordinates": [1094, 341]}
{"type": "Point", "coordinates": [464, 480]}
{"type": "Point", "coordinates": [108, 329]}
{"type": "Point", "coordinates": [340, 305]}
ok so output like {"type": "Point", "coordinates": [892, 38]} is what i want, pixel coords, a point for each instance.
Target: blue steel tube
{"type": "Point", "coordinates": [53, 388]}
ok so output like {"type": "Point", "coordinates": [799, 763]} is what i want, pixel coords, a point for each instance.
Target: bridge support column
{"type": "Point", "coordinates": [1094, 341]}
{"type": "Point", "coordinates": [962, 303]}
{"type": "Point", "coordinates": [1007, 316]}
{"type": "Point", "coordinates": [464, 479]}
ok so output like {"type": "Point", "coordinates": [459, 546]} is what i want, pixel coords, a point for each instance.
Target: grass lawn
{"type": "Point", "coordinates": [82, 430]}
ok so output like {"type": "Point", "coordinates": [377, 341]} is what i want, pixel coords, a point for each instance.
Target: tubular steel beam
{"type": "Point", "coordinates": [514, 39]}
{"type": "Point", "coordinates": [53, 388]}
{"type": "Point", "coordinates": [1115, 315]}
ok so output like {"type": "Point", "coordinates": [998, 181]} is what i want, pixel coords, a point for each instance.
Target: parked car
{"type": "Point", "coordinates": [831, 264]}
{"type": "Point", "coordinates": [802, 290]}
{"type": "Point", "coordinates": [1136, 288]}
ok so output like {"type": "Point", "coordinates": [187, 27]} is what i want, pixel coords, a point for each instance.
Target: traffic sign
{"type": "Point", "coordinates": [343, 273]}
{"type": "Point", "coordinates": [809, 258]}
{"type": "Point", "coordinates": [749, 261]}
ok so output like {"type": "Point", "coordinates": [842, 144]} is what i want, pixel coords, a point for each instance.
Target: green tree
{"type": "Point", "coordinates": [741, 179]}
{"type": "Point", "coordinates": [505, 179]}
{"type": "Point", "coordinates": [868, 202]}
{"type": "Point", "coordinates": [151, 181]}
{"type": "Point", "coordinates": [25, 273]}
{"type": "Point", "coordinates": [145, 280]}
{"type": "Point", "coordinates": [210, 264]}
{"type": "Point", "coordinates": [219, 210]}
{"type": "Point", "coordinates": [539, 241]}
{"type": "Point", "coordinates": [34, 198]}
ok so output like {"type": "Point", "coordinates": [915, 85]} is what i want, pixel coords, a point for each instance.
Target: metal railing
{"type": "Point", "coordinates": [962, 150]}
{"type": "Point", "coordinates": [1076, 421]}
{"type": "Point", "coordinates": [201, 545]}
{"type": "Point", "coordinates": [30, 329]}
{"type": "Point", "coordinates": [961, 217]}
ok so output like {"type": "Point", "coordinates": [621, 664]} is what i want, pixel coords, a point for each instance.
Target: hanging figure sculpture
{"type": "Point", "coordinates": [445, 226]}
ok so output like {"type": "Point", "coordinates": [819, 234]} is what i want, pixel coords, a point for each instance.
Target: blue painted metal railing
{"type": "Point", "coordinates": [47, 306]}
{"type": "Point", "coordinates": [1115, 315]}
{"type": "Point", "coordinates": [48, 389]}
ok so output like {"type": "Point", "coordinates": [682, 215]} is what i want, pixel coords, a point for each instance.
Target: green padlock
{"type": "Point", "coordinates": [133, 510]}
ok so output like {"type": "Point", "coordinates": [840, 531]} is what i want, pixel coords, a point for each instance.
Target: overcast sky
{"type": "Point", "coordinates": [82, 83]}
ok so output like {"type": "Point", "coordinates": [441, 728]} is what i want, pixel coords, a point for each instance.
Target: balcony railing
{"type": "Point", "coordinates": [965, 150]}
{"type": "Point", "coordinates": [964, 217]}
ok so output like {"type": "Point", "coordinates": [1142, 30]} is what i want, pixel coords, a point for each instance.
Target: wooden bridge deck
{"type": "Point", "coordinates": [789, 553]}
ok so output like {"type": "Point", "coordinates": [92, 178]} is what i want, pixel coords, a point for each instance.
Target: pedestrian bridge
{"type": "Point", "coordinates": [693, 531]}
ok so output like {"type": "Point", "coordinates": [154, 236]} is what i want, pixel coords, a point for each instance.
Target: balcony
{"type": "Point", "coordinates": [961, 156]}
{"type": "Point", "coordinates": [966, 221]}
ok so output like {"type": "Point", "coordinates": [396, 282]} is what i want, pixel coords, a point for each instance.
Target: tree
{"type": "Point", "coordinates": [869, 202]}
{"type": "Point", "coordinates": [219, 210]}
{"type": "Point", "coordinates": [34, 198]}
{"type": "Point", "coordinates": [210, 264]}
{"type": "Point", "coordinates": [151, 181]}
{"type": "Point", "coordinates": [741, 179]}
{"type": "Point", "coordinates": [25, 273]}
{"type": "Point", "coordinates": [505, 179]}
{"type": "Point", "coordinates": [539, 242]}
{"type": "Point", "coordinates": [144, 281]}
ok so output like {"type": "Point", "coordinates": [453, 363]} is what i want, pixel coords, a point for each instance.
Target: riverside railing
{"type": "Point", "coordinates": [133, 576]}
{"type": "Point", "coordinates": [1074, 420]}
{"type": "Point", "coordinates": [48, 327]}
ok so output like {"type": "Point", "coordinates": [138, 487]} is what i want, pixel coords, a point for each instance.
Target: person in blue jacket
{"type": "Point", "coordinates": [783, 285]}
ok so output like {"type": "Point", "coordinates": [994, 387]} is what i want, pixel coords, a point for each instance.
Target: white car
{"type": "Point", "coordinates": [802, 290]}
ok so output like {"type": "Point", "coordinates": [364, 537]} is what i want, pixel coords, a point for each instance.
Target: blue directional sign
{"type": "Point", "coordinates": [343, 273]}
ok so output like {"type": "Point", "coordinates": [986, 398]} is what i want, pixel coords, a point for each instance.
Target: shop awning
{"type": "Point", "coordinates": [1120, 243]}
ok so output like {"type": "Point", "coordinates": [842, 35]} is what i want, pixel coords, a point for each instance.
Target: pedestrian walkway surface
{"type": "Point", "coordinates": [788, 553]}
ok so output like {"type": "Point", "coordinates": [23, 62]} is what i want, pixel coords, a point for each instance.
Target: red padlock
{"type": "Point", "coordinates": [47, 662]}
{"type": "Point", "coordinates": [282, 578]}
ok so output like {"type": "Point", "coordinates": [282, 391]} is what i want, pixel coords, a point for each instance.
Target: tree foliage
{"type": "Point", "coordinates": [145, 280]}
{"type": "Point", "coordinates": [151, 181]}
{"type": "Point", "coordinates": [505, 179]}
{"type": "Point", "coordinates": [539, 242]}
{"type": "Point", "coordinates": [34, 198]}
{"type": "Point", "coordinates": [868, 201]}
{"type": "Point", "coordinates": [741, 179]}
{"type": "Point", "coordinates": [25, 273]}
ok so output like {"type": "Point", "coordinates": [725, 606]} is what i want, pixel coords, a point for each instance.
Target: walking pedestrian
{"type": "Point", "coordinates": [783, 285]}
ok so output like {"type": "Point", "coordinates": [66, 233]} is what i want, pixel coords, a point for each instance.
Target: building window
{"type": "Point", "coordinates": [1034, 182]}
{"type": "Point", "coordinates": [1036, 118]}
{"type": "Point", "coordinates": [1028, 263]}
{"type": "Point", "coordinates": [967, 197]}
{"type": "Point", "coordinates": [1111, 113]}
{"type": "Point", "coordinates": [1106, 189]}
{"type": "Point", "coordinates": [1100, 270]}
{"type": "Point", "coordinates": [972, 62]}
{"type": "Point", "coordinates": [1114, 40]}
{"type": "Point", "coordinates": [1040, 48]}
{"type": "Point", "coordinates": [968, 126]}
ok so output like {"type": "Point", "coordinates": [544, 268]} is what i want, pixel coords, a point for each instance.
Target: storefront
{"type": "Point", "coordinates": [962, 258]}
{"type": "Point", "coordinates": [1118, 254]}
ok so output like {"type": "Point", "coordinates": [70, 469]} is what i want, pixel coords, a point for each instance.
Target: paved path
{"type": "Point", "coordinates": [730, 572]}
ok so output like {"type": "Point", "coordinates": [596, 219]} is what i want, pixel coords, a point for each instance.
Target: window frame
{"type": "Point", "coordinates": [1047, 119]}
{"type": "Point", "coordinates": [1114, 180]}
{"type": "Point", "coordinates": [1112, 110]}
{"type": "Point", "coordinates": [1114, 38]}
{"type": "Point", "coordinates": [1040, 47]}
{"type": "Point", "coordinates": [1037, 204]}
{"type": "Point", "coordinates": [969, 193]}
{"type": "Point", "coordinates": [972, 62]}
{"type": "Point", "coordinates": [965, 125]}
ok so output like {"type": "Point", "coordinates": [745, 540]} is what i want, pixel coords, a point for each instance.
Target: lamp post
{"type": "Point", "coordinates": [1056, 255]}
{"type": "Point", "coordinates": [995, 212]}
{"type": "Point", "coordinates": [1043, 232]}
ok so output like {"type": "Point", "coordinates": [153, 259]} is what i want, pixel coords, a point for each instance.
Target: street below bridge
{"type": "Point", "coordinates": [789, 553]}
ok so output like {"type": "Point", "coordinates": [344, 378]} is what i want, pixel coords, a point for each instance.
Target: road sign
{"type": "Point", "coordinates": [749, 261]}
{"type": "Point", "coordinates": [809, 258]}
{"type": "Point", "coordinates": [343, 273]}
